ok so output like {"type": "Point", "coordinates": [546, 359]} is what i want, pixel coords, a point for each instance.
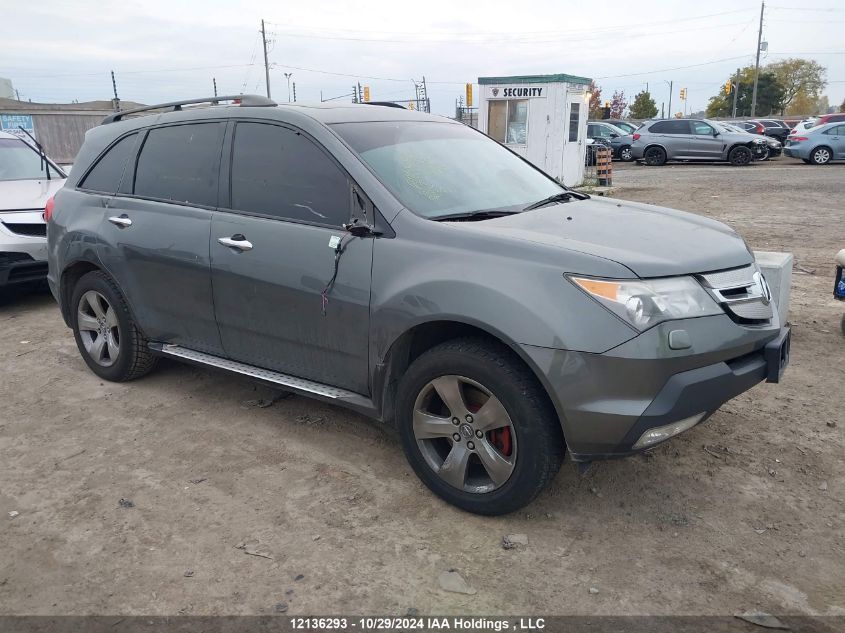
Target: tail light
{"type": "Point", "coordinates": [760, 129]}
{"type": "Point", "coordinates": [797, 138]}
{"type": "Point", "coordinates": [636, 136]}
{"type": "Point", "coordinates": [48, 209]}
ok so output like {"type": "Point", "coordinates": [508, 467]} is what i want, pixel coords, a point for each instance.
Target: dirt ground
{"type": "Point", "coordinates": [744, 512]}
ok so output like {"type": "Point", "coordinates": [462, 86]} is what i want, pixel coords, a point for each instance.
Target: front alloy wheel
{"type": "Point", "coordinates": [477, 427]}
{"type": "Point", "coordinates": [626, 154]}
{"type": "Point", "coordinates": [464, 434]}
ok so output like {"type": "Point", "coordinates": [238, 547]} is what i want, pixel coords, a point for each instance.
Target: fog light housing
{"type": "Point", "coordinates": [660, 433]}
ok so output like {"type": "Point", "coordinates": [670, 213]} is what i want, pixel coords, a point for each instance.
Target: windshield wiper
{"type": "Point", "coordinates": [474, 215]}
{"type": "Point", "coordinates": [563, 196]}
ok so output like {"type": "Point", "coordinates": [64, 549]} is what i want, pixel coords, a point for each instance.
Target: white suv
{"type": "Point", "coordinates": [27, 180]}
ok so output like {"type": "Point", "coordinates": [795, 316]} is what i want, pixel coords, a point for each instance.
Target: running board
{"type": "Point", "coordinates": [285, 381]}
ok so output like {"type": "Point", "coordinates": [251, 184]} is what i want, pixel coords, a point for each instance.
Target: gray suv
{"type": "Point", "coordinates": [412, 269]}
{"type": "Point", "coordinates": [694, 140]}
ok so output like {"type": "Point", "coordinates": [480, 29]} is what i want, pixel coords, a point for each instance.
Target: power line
{"type": "Point", "coordinates": [567, 32]}
{"type": "Point", "coordinates": [507, 39]}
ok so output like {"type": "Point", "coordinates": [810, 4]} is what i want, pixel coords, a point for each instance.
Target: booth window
{"type": "Point", "coordinates": [574, 115]}
{"type": "Point", "coordinates": [507, 120]}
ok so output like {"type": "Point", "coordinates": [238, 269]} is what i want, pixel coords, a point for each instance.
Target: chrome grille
{"type": "Point", "coordinates": [742, 292]}
{"type": "Point", "coordinates": [734, 278]}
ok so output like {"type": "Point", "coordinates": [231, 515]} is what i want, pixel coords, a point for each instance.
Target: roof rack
{"type": "Point", "coordinates": [387, 104]}
{"type": "Point", "coordinates": [243, 100]}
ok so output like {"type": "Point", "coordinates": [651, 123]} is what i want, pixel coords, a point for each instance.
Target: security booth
{"type": "Point", "coordinates": [540, 117]}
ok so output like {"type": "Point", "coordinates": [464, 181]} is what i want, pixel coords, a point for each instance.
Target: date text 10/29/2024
{"type": "Point", "coordinates": [452, 623]}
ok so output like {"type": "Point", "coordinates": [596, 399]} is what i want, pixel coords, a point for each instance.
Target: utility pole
{"type": "Point", "coordinates": [294, 92]}
{"type": "Point", "coordinates": [18, 94]}
{"type": "Point", "coordinates": [671, 89]}
{"type": "Point", "coordinates": [736, 92]}
{"type": "Point", "coordinates": [266, 64]}
{"type": "Point", "coordinates": [214, 79]}
{"type": "Point", "coordinates": [116, 102]}
{"type": "Point", "coordinates": [757, 63]}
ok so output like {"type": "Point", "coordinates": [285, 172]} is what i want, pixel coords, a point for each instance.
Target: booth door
{"type": "Point", "coordinates": [573, 139]}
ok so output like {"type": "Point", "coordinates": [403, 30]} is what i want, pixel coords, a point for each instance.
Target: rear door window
{"type": "Point", "coordinates": [113, 172]}
{"type": "Point", "coordinates": [180, 163]}
{"type": "Point", "coordinates": [670, 127]}
{"type": "Point", "coordinates": [281, 173]}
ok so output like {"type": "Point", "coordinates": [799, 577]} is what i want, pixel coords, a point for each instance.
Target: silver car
{"type": "Point", "coordinates": [27, 180]}
{"type": "Point", "coordinates": [657, 142]}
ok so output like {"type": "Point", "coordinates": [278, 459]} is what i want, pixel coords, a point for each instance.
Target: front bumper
{"type": "Point", "coordinates": [23, 257]}
{"type": "Point", "coordinates": [606, 402]}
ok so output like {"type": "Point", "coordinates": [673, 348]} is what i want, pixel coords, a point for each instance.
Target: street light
{"type": "Point", "coordinates": [288, 76]}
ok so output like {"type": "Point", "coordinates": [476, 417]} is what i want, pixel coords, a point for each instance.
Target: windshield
{"type": "Point", "coordinates": [438, 169]}
{"type": "Point", "coordinates": [19, 161]}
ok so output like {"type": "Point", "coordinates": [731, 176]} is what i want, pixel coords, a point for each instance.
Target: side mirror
{"type": "Point", "coordinates": [715, 132]}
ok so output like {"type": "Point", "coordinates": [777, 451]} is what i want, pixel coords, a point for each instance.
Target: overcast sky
{"type": "Point", "coordinates": [160, 51]}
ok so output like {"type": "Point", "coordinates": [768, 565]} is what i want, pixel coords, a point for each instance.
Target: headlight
{"type": "Point", "coordinates": [646, 302]}
{"type": "Point", "coordinates": [759, 141]}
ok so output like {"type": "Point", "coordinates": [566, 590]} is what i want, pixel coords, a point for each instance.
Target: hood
{"type": "Point", "coordinates": [651, 241]}
{"type": "Point", "coordinates": [27, 194]}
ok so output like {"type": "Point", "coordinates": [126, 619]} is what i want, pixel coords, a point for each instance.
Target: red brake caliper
{"type": "Point", "coordinates": [501, 439]}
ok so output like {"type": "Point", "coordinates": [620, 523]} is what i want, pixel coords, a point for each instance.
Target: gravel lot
{"type": "Point", "coordinates": [239, 507]}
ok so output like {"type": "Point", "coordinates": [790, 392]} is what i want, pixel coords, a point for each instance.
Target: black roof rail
{"type": "Point", "coordinates": [244, 100]}
{"type": "Point", "coordinates": [387, 104]}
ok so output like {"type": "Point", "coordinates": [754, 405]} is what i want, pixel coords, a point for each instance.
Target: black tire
{"type": "Point", "coordinates": [538, 443]}
{"type": "Point", "coordinates": [655, 156]}
{"type": "Point", "coordinates": [134, 358]}
{"type": "Point", "coordinates": [625, 154]}
{"type": "Point", "coordinates": [740, 156]}
{"type": "Point", "coordinates": [821, 155]}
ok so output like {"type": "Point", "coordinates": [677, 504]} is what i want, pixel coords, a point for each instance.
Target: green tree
{"type": "Point", "coordinates": [801, 79]}
{"type": "Point", "coordinates": [596, 110]}
{"type": "Point", "coordinates": [769, 96]}
{"type": "Point", "coordinates": [643, 106]}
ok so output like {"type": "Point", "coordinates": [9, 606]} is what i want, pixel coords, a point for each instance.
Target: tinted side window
{"type": "Point", "coordinates": [836, 130]}
{"type": "Point", "coordinates": [111, 174]}
{"type": "Point", "coordinates": [181, 163]}
{"type": "Point", "coordinates": [670, 127]}
{"type": "Point", "coordinates": [279, 172]}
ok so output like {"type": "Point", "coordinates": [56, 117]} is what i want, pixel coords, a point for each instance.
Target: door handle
{"type": "Point", "coordinates": [237, 241]}
{"type": "Point", "coordinates": [121, 220]}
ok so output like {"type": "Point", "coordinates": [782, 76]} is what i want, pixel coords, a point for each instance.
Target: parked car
{"type": "Point", "coordinates": [773, 149]}
{"type": "Point", "coordinates": [819, 145]}
{"type": "Point", "coordinates": [775, 129]}
{"type": "Point", "coordinates": [657, 142]}
{"type": "Point", "coordinates": [629, 127]}
{"type": "Point", "coordinates": [410, 268]}
{"type": "Point", "coordinates": [27, 180]}
{"type": "Point", "coordinates": [752, 127]}
{"type": "Point", "coordinates": [806, 124]}
{"type": "Point", "coordinates": [836, 117]}
{"type": "Point", "coordinates": [608, 134]}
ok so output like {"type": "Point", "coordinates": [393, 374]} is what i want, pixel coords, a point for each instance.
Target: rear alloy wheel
{"type": "Point", "coordinates": [626, 154]}
{"type": "Point", "coordinates": [655, 156]}
{"type": "Point", "coordinates": [476, 426]}
{"type": "Point", "coordinates": [107, 337]}
{"type": "Point", "coordinates": [820, 156]}
{"type": "Point", "coordinates": [740, 156]}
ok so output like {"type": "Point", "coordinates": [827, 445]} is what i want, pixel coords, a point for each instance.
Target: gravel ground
{"type": "Point", "coordinates": [237, 507]}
